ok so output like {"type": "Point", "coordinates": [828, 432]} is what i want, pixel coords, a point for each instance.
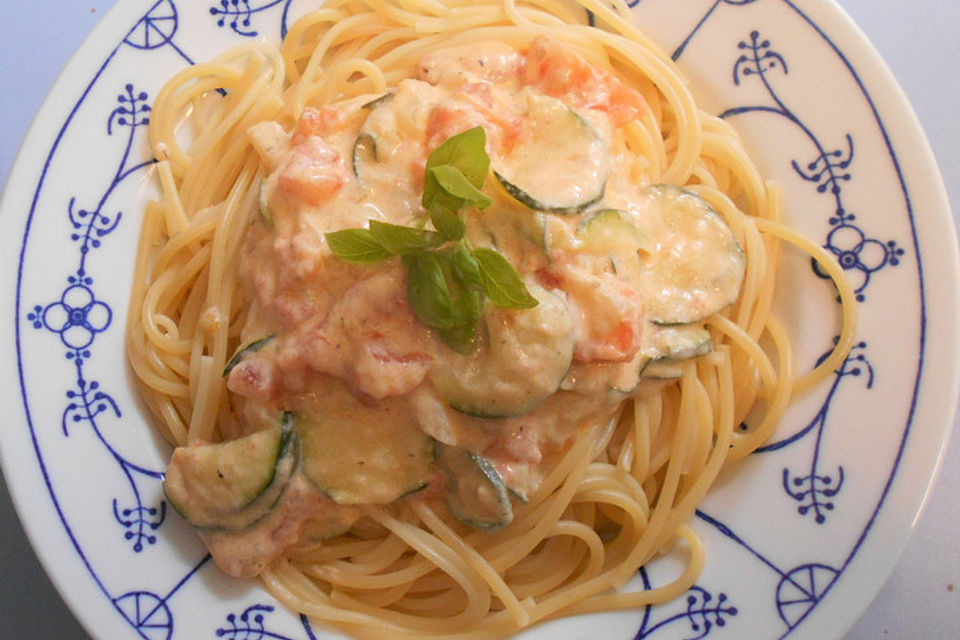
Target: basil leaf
{"type": "Point", "coordinates": [447, 223]}
{"type": "Point", "coordinates": [501, 282]}
{"type": "Point", "coordinates": [446, 287]}
{"type": "Point", "coordinates": [467, 152]}
{"type": "Point", "coordinates": [356, 245]}
{"type": "Point", "coordinates": [467, 309]}
{"type": "Point", "coordinates": [466, 298]}
{"type": "Point", "coordinates": [461, 339]}
{"type": "Point", "coordinates": [402, 240]}
{"type": "Point", "coordinates": [454, 182]}
{"type": "Point", "coordinates": [427, 290]}
{"type": "Point", "coordinates": [465, 267]}
{"type": "Point", "coordinates": [436, 197]}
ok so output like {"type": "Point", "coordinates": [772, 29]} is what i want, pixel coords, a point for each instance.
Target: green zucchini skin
{"type": "Point", "coordinates": [378, 101]}
{"type": "Point", "coordinates": [231, 486]}
{"type": "Point", "coordinates": [263, 204]}
{"type": "Point", "coordinates": [356, 454]}
{"type": "Point", "coordinates": [364, 151]}
{"type": "Point", "coordinates": [609, 229]}
{"type": "Point", "coordinates": [521, 360]}
{"type": "Point", "coordinates": [253, 347]}
{"type": "Point", "coordinates": [365, 147]}
{"type": "Point", "coordinates": [698, 267]}
{"type": "Point", "coordinates": [676, 343]}
{"type": "Point", "coordinates": [671, 345]}
{"type": "Point", "coordinates": [476, 494]}
{"type": "Point", "coordinates": [526, 199]}
{"type": "Point", "coordinates": [562, 145]}
{"type": "Point", "coordinates": [664, 349]}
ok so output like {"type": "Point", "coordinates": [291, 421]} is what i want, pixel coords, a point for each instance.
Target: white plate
{"type": "Point", "coordinates": [799, 538]}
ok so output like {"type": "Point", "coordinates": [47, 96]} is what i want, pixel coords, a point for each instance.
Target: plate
{"type": "Point", "coordinates": [799, 537]}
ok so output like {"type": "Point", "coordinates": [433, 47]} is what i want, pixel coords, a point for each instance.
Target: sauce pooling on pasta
{"type": "Point", "coordinates": [343, 397]}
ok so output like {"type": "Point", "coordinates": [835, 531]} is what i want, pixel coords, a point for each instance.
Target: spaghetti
{"type": "Point", "coordinates": [613, 492]}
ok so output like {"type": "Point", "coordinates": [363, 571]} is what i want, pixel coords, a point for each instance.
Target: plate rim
{"type": "Point", "coordinates": [112, 23]}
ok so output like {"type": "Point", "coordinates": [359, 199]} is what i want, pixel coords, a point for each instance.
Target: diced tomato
{"type": "Point", "coordinates": [474, 106]}
{"type": "Point", "coordinates": [511, 125]}
{"type": "Point", "coordinates": [309, 125]}
{"type": "Point", "coordinates": [451, 117]}
{"type": "Point", "coordinates": [549, 279]}
{"type": "Point", "coordinates": [611, 313]}
{"type": "Point", "coordinates": [564, 74]}
{"type": "Point", "coordinates": [622, 339]}
{"type": "Point", "coordinates": [615, 327]}
{"type": "Point", "coordinates": [313, 172]}
{"type": "Point", "coordinates": [482, 91]}
{"type": "Point", "coordinates": [318, 122]}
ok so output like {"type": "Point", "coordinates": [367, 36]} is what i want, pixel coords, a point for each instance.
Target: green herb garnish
{"type": "Point", "coordinates": [447, 279]}
{"type": "Point", "coordinates": [466, 152]}
{"type": "Point", "coordinates": [356, 245]}
{"type": "Point", "coordinates": [399, 240]}
{"type": "Point", "coordinates": [501, 282]}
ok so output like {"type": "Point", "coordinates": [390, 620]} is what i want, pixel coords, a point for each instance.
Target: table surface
{"type": "Point", "coordinates": [922, 47]}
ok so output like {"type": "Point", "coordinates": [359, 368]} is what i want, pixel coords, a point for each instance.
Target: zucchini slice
{"type": "Point", "coordinates": [618, 379]}
{"type": "Point", "coordinates": [380, 100]}
{"type": "Point", "coordinates": [696, 267]}
{"type": "Point", "coordinates": [667, 346]}
{"type": "Point", "coordinates": [563, 165]}
{"type": "Point", "coordinates": [232, 485]}
{"type": "Point", "coordinates": [664, 348]}
{"type": "Point", "coordinates": [677, 342]}
{"type": "Point", "coordinates": [359, 454]}
{"type": "Point", "coordinates": [661, 370]}
{"type": "Point", "coordinates": [254, 346]}
{"type": "Point", "coordinates": [611, 231]}
{"type": "Point", "coordinates": [365, 147]}
{"type": "Point", "coordinates": [265, 214]}
{"type": "Point", "coordinates": [476, 494]}
{"type": "Point", "coordinates": [521, 359]}
{"type": "Point", "coordinates": [364, 153]}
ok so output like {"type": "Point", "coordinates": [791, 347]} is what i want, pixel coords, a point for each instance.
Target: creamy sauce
{"type": "Point", "coordinates": [363, 159]}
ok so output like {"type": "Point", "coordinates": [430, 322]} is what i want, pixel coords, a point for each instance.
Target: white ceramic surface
{"type": "Point", "coordinates": [816, 521]}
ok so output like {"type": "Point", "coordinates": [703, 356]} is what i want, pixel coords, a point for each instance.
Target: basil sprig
{"type": "Point", "coordinates": [447, 279]}
{"type": "Point", "coordinates": [455, 172]}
